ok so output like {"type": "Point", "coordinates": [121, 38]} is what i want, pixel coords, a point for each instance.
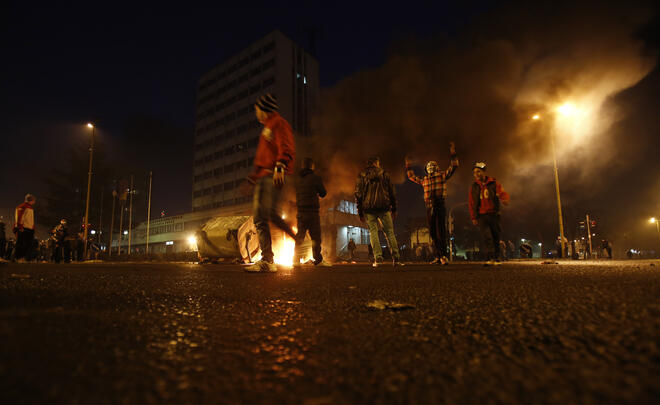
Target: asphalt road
{"type": "Point", "coordinates": [522, 332]}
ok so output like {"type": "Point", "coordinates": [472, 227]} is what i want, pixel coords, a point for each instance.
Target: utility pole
{"type": "Point", "coordinates": [149, 211]}
{"type": "Point", "coordinates": [589, 233]}
{"type": "Point", "coordinates": [130, 217]}
{"type": "Point", "coordinates": [112, 220]}
{"type": "Point", "coordinates": [100, 220]}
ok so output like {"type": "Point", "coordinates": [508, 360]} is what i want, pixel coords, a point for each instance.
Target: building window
{"type": "Point", "coordinates": [229, 185]}
{"type": "Point", "coordinates": [267, 65]}
{"type": "Point", "coordinates": [347, 207]}
{"type": "Point", "coordinates": [268, 82]}
{"type": "Point", "coordinates": [217, 189]}
{"type": "Point", "coordinates": [229, 168]}
{"type": "Point", "coordinates": [207, 191]}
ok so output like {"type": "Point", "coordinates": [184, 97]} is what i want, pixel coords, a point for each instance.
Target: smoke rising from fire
{"type": "Point", "coordinates": [481, 88]}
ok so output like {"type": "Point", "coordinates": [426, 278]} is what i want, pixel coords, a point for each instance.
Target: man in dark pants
{"type": "Point", "coordinates": [435, 193]}
{"type": "Point", "coordinates": [309, 187]}
{"type": "Point", "coordinates": [24, 228]}
{"type": "Point", "coordinates": [485, 197]}
{"type": "Point", "coordinates": [3, 240]}
{"type": "Point", "coordinates": [274, 157]}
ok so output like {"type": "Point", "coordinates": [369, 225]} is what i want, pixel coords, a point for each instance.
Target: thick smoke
{"type": "Point", "coordinates": [481, 89]}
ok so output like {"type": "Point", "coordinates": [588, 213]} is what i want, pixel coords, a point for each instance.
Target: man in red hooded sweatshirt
{"type": "Point", "coordinates": [24, 228]}
{"type": "Point", "coordinates": [274, 158]}
{"type": "Point", "coordinates": [485, 197]}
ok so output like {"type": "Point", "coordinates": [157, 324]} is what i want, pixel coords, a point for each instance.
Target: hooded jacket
{"type": "Point", "coordinates": [485, 197]}
{"type": "Point", "coordinates": [276, 145]}
{"type": "Point", "coordinates": [374, 191]}
{"type": "Point", "coordinates": [309, 187]}
{"type": "Point", "coordinates": [24, 217]}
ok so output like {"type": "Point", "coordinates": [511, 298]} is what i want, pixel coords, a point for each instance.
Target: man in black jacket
{"type": "Point", "coordinates": [375, 198]}
{"type": "Point", "coordinates": [309, 187]}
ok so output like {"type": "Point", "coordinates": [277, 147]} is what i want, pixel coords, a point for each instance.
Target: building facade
{"type": "Point", "coordinates": [226, 129]}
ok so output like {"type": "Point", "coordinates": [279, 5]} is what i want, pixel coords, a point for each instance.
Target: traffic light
{"type": "Point", "coordinates": [593, 223]}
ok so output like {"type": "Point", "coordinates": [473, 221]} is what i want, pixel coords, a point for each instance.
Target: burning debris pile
{"type": "Point", "coordinates": [235, 238]}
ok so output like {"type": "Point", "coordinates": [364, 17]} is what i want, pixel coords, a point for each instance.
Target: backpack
{"type": "Point", "coordinates": [376, 195]}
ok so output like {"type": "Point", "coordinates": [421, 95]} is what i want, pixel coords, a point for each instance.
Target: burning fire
{"type": "Point", "coordinates": [284, 249]}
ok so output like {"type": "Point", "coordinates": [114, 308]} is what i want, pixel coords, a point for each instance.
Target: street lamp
{"type": "Point", "coordinates": [655, 221]}
{"type": "Point", "coordinates": [565, 110]}
{"type": "Point", "coordinates": [89, 185]}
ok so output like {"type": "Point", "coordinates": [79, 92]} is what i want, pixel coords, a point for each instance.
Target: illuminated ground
{"type": "Point", "coordinates": [523, 332]}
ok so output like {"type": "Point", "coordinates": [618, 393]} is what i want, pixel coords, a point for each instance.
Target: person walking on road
{"type": "Point", "coordinates": [376, 201]}
{"type": "Point", "coordinates": [59, 236]}
{"type": "Point", "coordinates": [3, 240]}
{"type": "Point", "coordinates": [274, 158]}
{"type": "Point", "coordinates": [486, 195]}
{"type": "Point", "coordinates": [435, 193]}
{"type": "Point", "coordinates": [309, 187]}
{"type": "Point", "coordinates": [24, 228]}
{"type": "Point", "coordinates": [351, 249]}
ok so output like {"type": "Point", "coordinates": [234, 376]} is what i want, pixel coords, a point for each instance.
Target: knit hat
{"type": "Point", "coordinates": [479, 165]}
{"type": "Point", "coordinates": [267, 103]}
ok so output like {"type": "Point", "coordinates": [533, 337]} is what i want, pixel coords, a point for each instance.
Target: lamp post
{"type": "Point", "coordinates": [89, 185]}
{"type": "Point", "coordinates": [657, 224]}
{"type": "Point", "coordinates": [566, 110]}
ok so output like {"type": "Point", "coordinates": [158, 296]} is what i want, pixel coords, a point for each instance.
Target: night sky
{"type": "Point", "coordinates": [132, 69]}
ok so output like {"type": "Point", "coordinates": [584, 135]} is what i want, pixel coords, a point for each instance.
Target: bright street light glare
{"type": "Point", "coordinates": [567, 109]}
{"type": "Point", "coordinates": [652, 220]}
{"type": "Point", "coordinates": [536, 117]}
{"type": "Point", "coordinates": [90, 125]}
{"type": "Point", "coordinates": [192, 240]}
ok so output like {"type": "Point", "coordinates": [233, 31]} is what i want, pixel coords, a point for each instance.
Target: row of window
{"type": "Point", "coordinates": [218, 139]}
{"type": "Point", "coordinates": [225, 203]}
{"type": "Point", "coordinates": [222, 170]}
{"type": "Point", "coordinates": [255, 89]}
{"type": "Point", "coordinates": [166, 229]}
{"type": "Point", "coordinates": [238, 65]}
{"type": "Point", "coordinates": [236, 148]}
{"type": "Point", "coordinates": [238, 81]}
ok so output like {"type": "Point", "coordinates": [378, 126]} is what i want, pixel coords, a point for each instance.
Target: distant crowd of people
{"type": "Point", "coordinates": [61, 245]}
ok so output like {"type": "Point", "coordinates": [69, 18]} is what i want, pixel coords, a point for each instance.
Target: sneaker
{"type": "Point", "coordinates": [323, 264]}
{"type": "Point", "coordinates": [377, 262]}
{"type": "Point", "coordinates": [262, 266]}
{"type": "Point", "coordinates": [435, 261]}
{"type": "Point", "coordinates": [444, 261]}
{"type": "Point", "coordinates": [398, 263]}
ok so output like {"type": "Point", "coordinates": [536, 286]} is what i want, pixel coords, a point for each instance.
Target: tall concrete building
{"type": "Point", "coordinates": [226, 130]}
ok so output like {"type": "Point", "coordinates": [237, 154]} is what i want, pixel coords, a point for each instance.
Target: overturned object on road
{"type": "Point", "coordinates": [235, 237]}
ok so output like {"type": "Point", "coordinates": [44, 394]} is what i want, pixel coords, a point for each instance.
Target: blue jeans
{"type": "Point", "coordinates": [385, 218]}
{"type": "Point", "coordinates": [266, 208]}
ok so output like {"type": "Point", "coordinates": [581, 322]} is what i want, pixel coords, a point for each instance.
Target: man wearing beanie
{"type": "Point", "coordinates": [274, 158]}
{"type": "Point", "coordinates": [24, 228]}
{"type": "Point", "coordinates": [484, 200]}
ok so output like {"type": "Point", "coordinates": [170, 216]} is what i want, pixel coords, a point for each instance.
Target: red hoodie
{"type": "Point", "coordinates": [276, 144]}
{"type": "Point", "coordinates": [485, 197]}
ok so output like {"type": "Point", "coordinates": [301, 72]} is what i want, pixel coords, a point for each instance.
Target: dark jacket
{"type": "Point", "coordinates": [309, 187]}
{"type": "Point", "coordinates": [374, 191]}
